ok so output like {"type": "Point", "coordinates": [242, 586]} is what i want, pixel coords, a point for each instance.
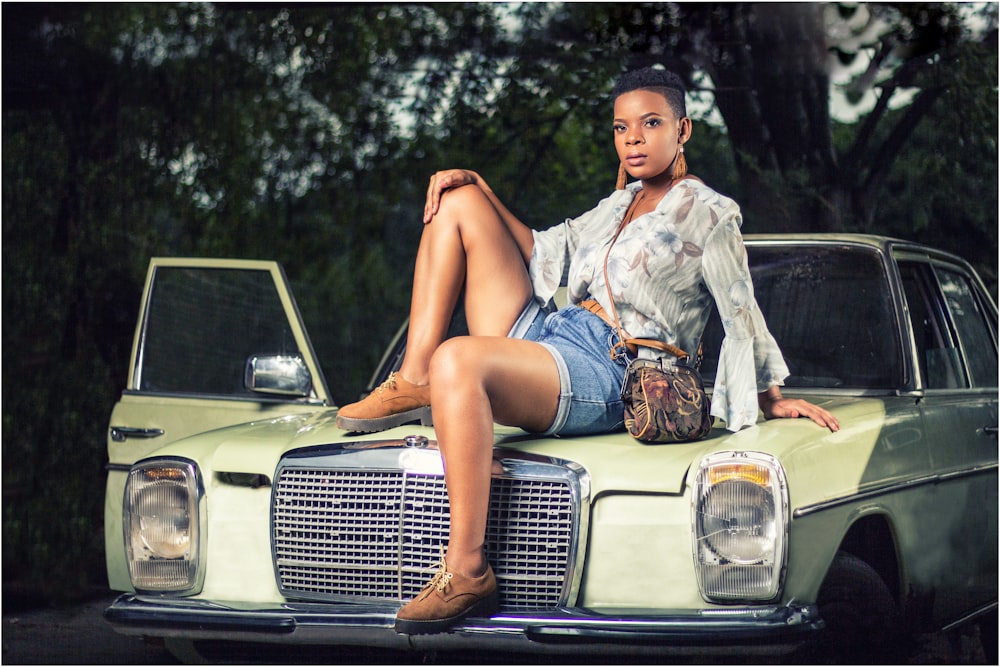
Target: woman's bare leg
{"type": "Point", "coordinates": [476, 381]}
{"type": "Point", "coordinates": [467, 246]}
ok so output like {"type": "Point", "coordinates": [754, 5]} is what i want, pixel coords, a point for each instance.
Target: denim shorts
{"type": "Point", "coordinates": [590, 381]}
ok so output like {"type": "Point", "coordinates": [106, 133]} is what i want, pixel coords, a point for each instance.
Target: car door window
{"type": "Point", "coordinates": [936, 352]}
{"type": "Point", "coordinates": [202, 324]}
{"type": "Point", "coordinates": [972, 327]}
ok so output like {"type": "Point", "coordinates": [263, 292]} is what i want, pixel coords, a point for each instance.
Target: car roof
{"type": "Point", "coordinates": [883, 244]}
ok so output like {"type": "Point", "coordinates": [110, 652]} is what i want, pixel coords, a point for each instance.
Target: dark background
{"type": "Point", "coordinates": [307, 135]}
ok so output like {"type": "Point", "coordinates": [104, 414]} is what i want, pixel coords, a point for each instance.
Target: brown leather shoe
{"type": "Point", "coordinates": [446, 600]}
{"type": "Point", "coordinates": [395, 402]}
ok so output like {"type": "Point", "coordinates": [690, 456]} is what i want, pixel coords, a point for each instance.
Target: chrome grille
{"type": "Point", "coordinates": [364, 534]}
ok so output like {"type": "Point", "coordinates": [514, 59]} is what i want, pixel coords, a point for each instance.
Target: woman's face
{"type": "Point", "coordinates": [648, 134]}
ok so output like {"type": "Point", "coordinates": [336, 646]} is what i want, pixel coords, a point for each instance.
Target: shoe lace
{"type": "Point", "coordinates": [390, 383]}
{"type": "Point", "coordinates": [442, 577]}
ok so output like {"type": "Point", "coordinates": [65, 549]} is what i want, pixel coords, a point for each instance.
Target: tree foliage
{"type": "Point", "coordinates": [306, 134]}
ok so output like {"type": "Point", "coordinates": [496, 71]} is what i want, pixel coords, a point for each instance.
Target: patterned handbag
{"type": "Point", "coordinates": [665, 402]}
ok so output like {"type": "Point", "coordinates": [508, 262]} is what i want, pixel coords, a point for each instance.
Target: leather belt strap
{"type": "Point", "coordinates": [632, 344]}
{"type": "Point", "coordinates": [597, 309]}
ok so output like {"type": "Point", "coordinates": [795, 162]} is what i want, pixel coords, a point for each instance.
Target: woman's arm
{"type": "Point", "coordinates": [453, 178]}
{"type": "Point", "coordinates": [750, 351]}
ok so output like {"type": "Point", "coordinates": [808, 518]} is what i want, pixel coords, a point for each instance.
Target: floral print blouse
{"type": "Point", "coordinates": [666, 269]}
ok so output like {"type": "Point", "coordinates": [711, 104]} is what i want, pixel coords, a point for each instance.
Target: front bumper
{"type": "Point", "coordinates": [760, 630]}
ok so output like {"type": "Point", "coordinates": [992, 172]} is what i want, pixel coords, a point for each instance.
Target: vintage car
{"type": "Point", "coordinates": [237, 511]}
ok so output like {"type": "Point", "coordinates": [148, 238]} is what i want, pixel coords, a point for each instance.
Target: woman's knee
{"type": "Point", "coordinates": [462, 197]}
{"type": "Point", "coordinates": [454, 363]}
{"type": "Point", "coordinates": [465, 203]}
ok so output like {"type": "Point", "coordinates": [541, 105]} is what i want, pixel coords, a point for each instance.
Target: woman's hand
{"type": "Point", "coordinates": [776, 406]}
{"type": "Point", "coordinates": [444, 180]}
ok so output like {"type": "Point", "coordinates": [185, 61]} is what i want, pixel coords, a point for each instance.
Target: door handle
{"type": "Point", "coordinates": [990, 430]}
{"type": "Point", "coordinates": [123, 433]}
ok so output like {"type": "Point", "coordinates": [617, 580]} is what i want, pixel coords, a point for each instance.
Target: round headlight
{"type": "Point", "coordinates": [738, 521]}
{"type": "Point", "coordinates": [163, 520]}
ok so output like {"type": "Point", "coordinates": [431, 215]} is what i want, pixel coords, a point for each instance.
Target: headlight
{"type": "Point", "coordinates": [739, 514]}
{"type": "Point", "coordinates": [162, 526]}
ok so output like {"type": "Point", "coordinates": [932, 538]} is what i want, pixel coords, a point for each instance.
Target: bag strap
{"type": "Point", "coordinates": [634, 343]}
{"type": "Point", "coordinates": [625, 343]}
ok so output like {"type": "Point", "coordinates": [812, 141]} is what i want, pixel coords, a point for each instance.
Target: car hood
{"type": "Point", "coordinates": [615, 462]}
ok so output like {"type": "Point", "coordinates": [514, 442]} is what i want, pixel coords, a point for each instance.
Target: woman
{"type": "Point", "coordinates": [678, 251]}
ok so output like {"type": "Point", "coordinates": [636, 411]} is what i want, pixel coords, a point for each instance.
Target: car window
{"type": "Point", "coordinates": [202, 324]}
{"type": "Point", "coordinates": [830, 311]}
{"type": "Point", "coordinates": [972, 327]}
{"type": "Point", "coordinates": [937, 355]}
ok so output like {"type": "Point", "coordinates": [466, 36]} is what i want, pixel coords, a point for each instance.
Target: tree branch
{"type": "Point", "coordinates": [892, 147]}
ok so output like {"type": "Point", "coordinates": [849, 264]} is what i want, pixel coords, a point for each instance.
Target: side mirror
{"type": "Point", "coordinates": [281, 374]}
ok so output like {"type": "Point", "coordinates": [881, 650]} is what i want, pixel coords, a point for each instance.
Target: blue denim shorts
{"type": "Point", "coordinates": [590, 381]}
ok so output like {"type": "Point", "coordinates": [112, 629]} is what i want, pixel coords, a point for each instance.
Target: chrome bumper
{"type": "Point", "coordinates": [763, 630]}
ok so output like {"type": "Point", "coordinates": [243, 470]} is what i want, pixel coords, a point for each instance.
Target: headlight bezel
{"type": "Point", "coordinates": [740, 561]}
{"type": "Point", "coordinates": [165, 492]}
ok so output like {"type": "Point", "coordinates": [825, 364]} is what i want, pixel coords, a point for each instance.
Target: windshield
{"type": "Point", "coordinates": [830, 311]}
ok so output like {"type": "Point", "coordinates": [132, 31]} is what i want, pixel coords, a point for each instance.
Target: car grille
{"type": "Point", "coordinates": [365, 534]}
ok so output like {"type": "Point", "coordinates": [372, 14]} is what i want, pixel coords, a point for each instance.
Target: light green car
{"type": "Point", "coordinates": [236, 510]}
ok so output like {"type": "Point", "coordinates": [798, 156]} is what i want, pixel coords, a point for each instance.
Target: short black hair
{"type": "Point", "coordinates": [657, 79]}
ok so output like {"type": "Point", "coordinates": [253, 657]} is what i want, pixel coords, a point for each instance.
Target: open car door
{"type": "Point", "coordinates": [217, 343]}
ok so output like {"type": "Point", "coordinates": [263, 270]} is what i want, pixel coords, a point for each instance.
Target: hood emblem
{"type": "Point", "coordinates": [418, 441]}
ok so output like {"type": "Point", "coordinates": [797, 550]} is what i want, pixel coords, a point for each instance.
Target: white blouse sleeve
{"type": "Point", "coordinates": [554, 251]}
{"type": "Point", "coordinates": [549, 260]}
{"type": "Point", "coordinates": [750, 361]}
